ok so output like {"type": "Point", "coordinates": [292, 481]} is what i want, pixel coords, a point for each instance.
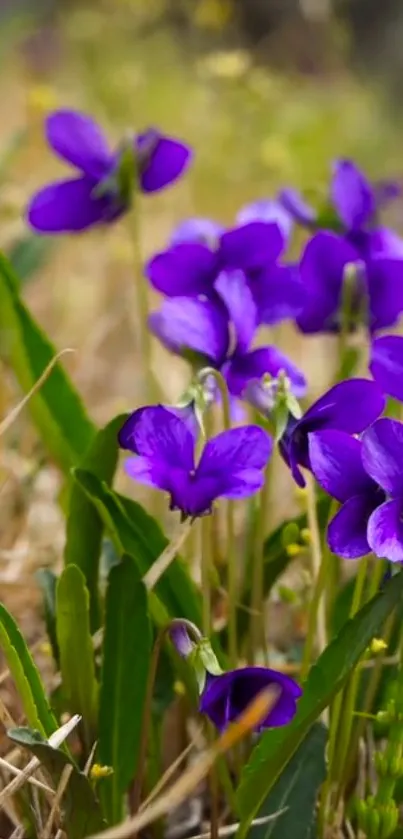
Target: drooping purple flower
{"type": "Point", "coordinates": [386, 364]}
{"type": "Point", "coordinates": [349, 406]}
{"type": "Point", "coordinates": [336, 461]}
{"type": "Point", "coordinates": [95, 195]}
{"type": "Point", "coordinates": [376, 294]}
{"type": "Point", "coordinates": [226, 697]}
{"type": "Point", "coordinates": [194, 268]}
{"type": "Point", "coordinates": [202, 230]}
{"type": "Point", "coordinates": [231, 464]}
{"type": "Point", "coordinates": [222, 335]}
{"type": "Point", "coordinates": [382, 456]}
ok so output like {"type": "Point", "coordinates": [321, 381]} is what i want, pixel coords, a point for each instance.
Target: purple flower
{"type": "Point", "coordinates": [208, 327]}
{"type": "Point", "coordinates": [96, 195]}
{"type": "Point", "coordinates": [202, 230]}
{"type": "Point", "coordinates": [194, 268]}
{"type": "Point", "coordinates": [382, 456]}
{"type": "Point", "coordinates": [355, 199]}
{"type": "Point", "coordinates": [376, 295]}
{"type": "Point", "coordinates": [231, 465]}
{"type": "Point", "coordinates": [336, 461]}
{"type": "Point", "coordinates": [386, 364]}
{"type": "Point", "coordinates": [226, 697]}
{"type": "Point", "coordinates": [349, 406]}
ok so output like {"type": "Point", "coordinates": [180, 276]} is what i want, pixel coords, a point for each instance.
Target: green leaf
{"type": "Point", "coordinates": [85, 526]}
{"type": "Point", "coordinates": [28, 254]}
{"type": "Point", "coordinates": [325, 679]}
{"type": "Point", "coordinates": [296, 791]}
{"type": "Point", "coordinates": [81, 811]}
{"type": "Point", "coordinates": [26, 676]}
{"type": "Point", "coordinates": [57, 409]}
{"type": "Point", "coordinates": [47, 581]}
{"type": "Point", "coordinates": [137, 534]}
{"type": "Point", "coordinates": [76, 649]}
{"type": "Point", "coordinates": [126, 661]}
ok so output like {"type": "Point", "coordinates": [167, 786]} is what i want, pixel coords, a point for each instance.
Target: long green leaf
{"type": "Point", "coordinates": [47, 581]}
{"type": "Point", "coordinates": [296, 791]}
{"type": "Point", "coordinates": [126, 660]}
{"type": "Point", "coordinates": [28, 254]}
{"type": "Point", "coordinates": [81, 811]}
{"type": "Point", "coordinates": [26, 676]}
{"type": "Point", "coordinates": [57, 409]}
{"type": "Point", "coordinates": [85, 526]}
{"type": "Point", "coordinates": [76, 648]}
{"type": "Point", "coordinates": [136, 533]}
{"type": "Point", "coordinates": [325, 679]}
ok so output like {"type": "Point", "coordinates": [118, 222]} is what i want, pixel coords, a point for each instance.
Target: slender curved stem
{"type": "Point", "coordinates": [141, 306]}
{"type": "Point", "coordinates": [230, 523]}
{"type": "Point", "coordinates": [317, 610]}
{"type": "Point", "coordinates": [258, 623]}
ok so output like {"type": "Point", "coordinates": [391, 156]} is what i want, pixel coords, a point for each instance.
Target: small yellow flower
{"type": "Point", "coordinates": [98, 771]}
{"type": "Point", "coordinates": [179, 688]}
{"type": "Point", "coordinates": [306, 535]}
{"type": "Point", "coordinates": [42, 99]}
{"type": "Point", "coordinates": [45, 648]}
{"type": "Point", "coordinates": [229, 64]}
{"type": "Point", "coordinates": [294, 549]}
{"type": "Point", "coordinates": [377, 646]}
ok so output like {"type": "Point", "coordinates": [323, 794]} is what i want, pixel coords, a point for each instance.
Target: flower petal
{"type": "Point", "coordinates": [157, 434]}
{"type": "Point", "coordinates": [234, 460]}
{"type": "Point", "coordinates": [295, 204]}
{"type": "Point", "coordinates": [234, 290]}
{"type": "Point", "coordinates": [77, 138]}
{"type": "Point", "coordinates": [321, 269]}
{"type": "Point", "coordinates": [385, 242]}
{"type": "Point", "coordinates": [244, 368]}
{"type": "Point", "coordinates": [279, 293]}
{"type": "Point", "coordinates": [385, 531]}
{"type": "Point", "coordinates": [336, 462]}
{"type": "Point", "coordinates": [382, 454]}
{"type": "Point", "coordinates": [269, 210]}
{"type": "Point", "coordinates": [146, 471]}
{"type": "Point", "coordinates": [186, 269]}
{"type": "Point", "coordinates": [386, 364]}
{"type": "Point", "coordinates": [251, 246]}
{"type": "Point", "coordinates": [167, 160]}
{"type": "Point", "coordinates": [202, 230]}
{"type": "Point", "coordinates": [385, 288]}
{"type": "Point", "coordinates": [187, 323]}
{"type": "Point", "coordinates": [69, 207]}
{"type": "Point", "coordinates": [347, 531]}
{"type": "Point", "coordinates": [348, 406]}
{"type": "Point", "coordinates": [352, 195]}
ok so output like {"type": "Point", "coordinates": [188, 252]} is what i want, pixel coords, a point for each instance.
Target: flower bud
{"type": "Point", "coordinates": [389, 817]}
{"type": "Point", "coordinates": [377, 645]}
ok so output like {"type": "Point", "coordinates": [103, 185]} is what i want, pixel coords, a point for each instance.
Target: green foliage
{"type": "Point", "coordinates": [81, 811]}
{"type": "Point", "coordinates": [28, 254]}
{"type": "Point", "coordinates": [57, 409]}
{"type": "Point", "coordinates": [325, 679]}
{"type": "Point", "coordinates": [126, 661]}
{"type": "Point", "coordinates": [137, 534]}
{"type": "Point", "coordinates": [76, 649]}
{"type": "Point", "coordinates": [26, 676]}
{"type": "Point", "coordinates": [47, 581]}
{"type": "Point", "coordinates": [296, 791]}
{"type": "Point", "coordinates": [85, 526]}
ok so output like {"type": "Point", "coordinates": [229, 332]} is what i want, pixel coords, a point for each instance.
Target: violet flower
{"type": "Point", "coordinates": [386, 364]}
{"type": "Point", "coordinates": [382, 456]}
{"type": "Point", "coordinates": [336, 461]}
{"type": "Point", "coordinates": [194, 268]}
{"type": "Point", "coordinates": [231, 465]}
{"type": "Point", "coordinates": [226, 697]}
{"type": "Point", "coordinates": [349, 406]}
{"type": "Point", "coordinates": [376, 296]}
{"type": "Point", "coordinates": [208, 327]}
{"type": "Point", "coordinates": [96, 195]}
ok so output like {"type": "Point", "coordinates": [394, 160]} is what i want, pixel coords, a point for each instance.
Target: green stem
{"type": "Point", "coordinates": [141, 308]}
{"type": "Point", "coordinates": [317, 613]}
{"type": "Point", "coordinates": [258, 623]}
{"type": "Point", "coordinates": [230, 525]}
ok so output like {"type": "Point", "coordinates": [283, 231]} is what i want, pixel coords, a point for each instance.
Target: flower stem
{"type": "Point", "coordinates": [340, 721]}
{"type": "Point", "coordinates": [317, 609]}
{"type": "Point", "coordinates": [230, 525]}
{"type": "Point", "coordinates": [258, 623]}
{"type": "Point", "coordinates": [141, 307]}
